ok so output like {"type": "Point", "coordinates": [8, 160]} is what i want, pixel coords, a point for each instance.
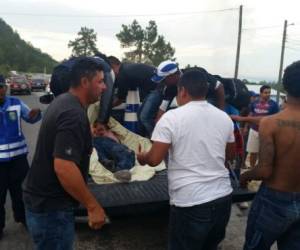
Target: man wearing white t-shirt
{"type": "Point", "coordinates": [199, 138]}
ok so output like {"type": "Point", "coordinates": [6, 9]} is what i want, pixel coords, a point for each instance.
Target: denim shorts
{"type": "Point", "coordinates": [274, 217]}
{"type": "Point", "coordinates": [51, 230]}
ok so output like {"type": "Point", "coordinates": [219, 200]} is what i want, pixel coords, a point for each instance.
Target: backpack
{"type": "Point", "coordinates": [61, 80]}
{"type": "Point", "coordinates": [236, 92]}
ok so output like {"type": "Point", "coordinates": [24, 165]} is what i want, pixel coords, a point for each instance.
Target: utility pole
{"type": "Point", "coordinates": [281, 58]}
{"type": "Point", "coordinates": [237, 59]}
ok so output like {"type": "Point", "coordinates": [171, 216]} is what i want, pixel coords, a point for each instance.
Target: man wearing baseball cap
{"type": "Point", "coordinates": [13, 152]}
{"type": "Point", "coordinates": [167, 76]}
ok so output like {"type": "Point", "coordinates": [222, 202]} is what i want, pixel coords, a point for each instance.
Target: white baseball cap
{"type": "Point", "coordinates": [164, 69]}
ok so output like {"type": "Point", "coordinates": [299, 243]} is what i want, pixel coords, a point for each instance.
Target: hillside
{"type": "Point", "coordinates": [16, 54]}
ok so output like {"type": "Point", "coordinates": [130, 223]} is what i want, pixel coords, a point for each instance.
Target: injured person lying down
{"type": "Point", "coordinates": [113, 155]}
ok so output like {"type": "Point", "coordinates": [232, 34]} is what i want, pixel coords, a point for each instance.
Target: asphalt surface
{"type": "Point", "coordinates": [127, 233]}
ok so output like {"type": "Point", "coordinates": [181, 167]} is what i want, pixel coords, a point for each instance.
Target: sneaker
{"type": "Point", "coordinates": [123, 175]}
{"type": "Point", "coordinates": [243, 205]}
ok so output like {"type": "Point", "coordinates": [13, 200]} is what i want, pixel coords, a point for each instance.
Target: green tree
{"type": "Point", "coordinates": [145, 44]}
{"type": "Point", "coordinates": [85, 43]}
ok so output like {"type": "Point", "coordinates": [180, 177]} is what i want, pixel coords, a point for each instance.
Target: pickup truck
{"type": "Point", "coordinates": [136, 197]}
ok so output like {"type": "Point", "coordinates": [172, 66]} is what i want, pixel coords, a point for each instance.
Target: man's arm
{"type": "Point", "coordinates": [156, 154]}
{"type": "Point", "coordinates": [264, 169]}
{"type": "Point", "coordinates": [250, 119]}
{"type": "Point", "coordinates": [30, 115]}
{"type": "Point", "coordinates": [70, 145]}
{"type": "Point", "coordinates": [117, 102]}
{"type": "Point", "coordinates": [121, 83]}
{"type": "Point", "coordinates": [162, 109]}
{"type": "Point", "coordinates": [220, 96]}
{"type": "Point", "coordinates": [230, 152]}
{"type": "Point", "coordinates": [72, 181]}
{"type": "Point", "coordinates": [159, 115]}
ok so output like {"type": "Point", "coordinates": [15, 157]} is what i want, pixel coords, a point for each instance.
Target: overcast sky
{"type": "Point", "coordinates": [200, 34]}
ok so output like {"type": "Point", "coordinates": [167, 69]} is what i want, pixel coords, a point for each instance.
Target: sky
{"type": "Point", "coordinates": [204, 33]}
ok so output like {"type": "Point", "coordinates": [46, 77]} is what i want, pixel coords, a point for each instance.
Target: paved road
{"type": "Point", "coordinates": [140, 233]}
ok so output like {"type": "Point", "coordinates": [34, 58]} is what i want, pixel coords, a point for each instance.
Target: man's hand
{"type": "Point", "coordinates": [237, 118]}
{"type": "Point", "coordinates": [141, 156]}
{"type": "Point", "coordinates": [73, 183]}
{"type": "Point", "coordinates": [96, 217]}
{"type": "Point", "coordinates": [34, 113]}
{"type": "Point", "coordinates": [155, 155]}
{"type": "Point", "coordinates": [244, 180]}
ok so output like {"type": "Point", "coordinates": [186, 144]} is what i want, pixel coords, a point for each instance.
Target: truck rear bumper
{"type": "Point", "coordinates": [142, 197]}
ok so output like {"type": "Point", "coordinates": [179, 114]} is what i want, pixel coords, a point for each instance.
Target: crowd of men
{"type": "Point", "coordinates": [197, 136]}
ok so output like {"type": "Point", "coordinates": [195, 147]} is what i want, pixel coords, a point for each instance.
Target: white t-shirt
{"type": "Point", "coordinates": [198, 133]}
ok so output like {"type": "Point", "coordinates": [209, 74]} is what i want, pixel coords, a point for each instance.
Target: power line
{"type": "Point", "coordinates": [263, 36]}
{"type": "Point", "coordinates": [293, 44]}
{"type": "Point", "coordinates": [263, 27]}
{"type": "Point", "coordinates": [116, 16]}
{"type": "Point", "coordinates": [294, 49]}
{"type": "Point", "coordinates": [293, 40]}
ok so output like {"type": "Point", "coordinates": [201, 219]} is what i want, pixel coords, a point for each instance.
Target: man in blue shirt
{"type": "Point", "coordinates": [13, 152]}
{"type": "Point", "coordinates": [259, 108]}
{"type": "Point", "coordinates": [264, 106]}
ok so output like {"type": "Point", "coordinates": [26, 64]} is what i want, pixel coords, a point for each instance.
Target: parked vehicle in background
{"type": "Point", "coordinates": [38, 84]}
{"type": "Point", "coordinates": [19, 85]}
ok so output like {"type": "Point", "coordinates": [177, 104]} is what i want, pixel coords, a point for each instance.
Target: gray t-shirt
{"type": "Point", "coordinates": [65, 134]}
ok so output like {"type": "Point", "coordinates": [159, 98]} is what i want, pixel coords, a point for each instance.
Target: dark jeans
{"type": "Point", "coordinates": [148, 110]}
{"type": "Point", "coordinates": [12, 174]}
{"type": "Point", "coordinates": [199, 227]}
{"type": "Point", "coordinates": [108, 149]}
{"type": "Point", "coordinates": [274, 216]}
{"type": "Point", "coordinates": [51, 230]}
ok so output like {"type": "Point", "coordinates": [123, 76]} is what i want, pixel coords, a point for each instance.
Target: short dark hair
{"type": "Point", "coordinates": [113, 60]}
{"type": "Point", "coordinates": [102, 56]}
{"type": "Point", "coordinates": [195, 83]}
{"type": "Point", "coordinates": [262, 88]}
{"type": "Point", "coordinates": [85, 67]}
{"type": "Point", "coordinates": [291, 79]}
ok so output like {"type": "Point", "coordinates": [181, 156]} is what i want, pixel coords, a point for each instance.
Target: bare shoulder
{"type": "Point", "coordinates": [269, 122]}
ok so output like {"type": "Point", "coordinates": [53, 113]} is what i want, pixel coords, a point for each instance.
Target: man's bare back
{"type": "Point", "coordinates": [285, 129]}
{"type": "Point", "coordinates": [279, 155]}
{"type": "Point", "coordinates": [274, 214]}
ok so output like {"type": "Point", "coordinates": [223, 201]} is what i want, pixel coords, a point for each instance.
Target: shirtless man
{"type": "Point", "coordinates": [274, 214]}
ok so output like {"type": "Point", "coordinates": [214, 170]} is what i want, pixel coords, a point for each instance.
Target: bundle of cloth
{"type": "Point", "coordinates": [113, 158]}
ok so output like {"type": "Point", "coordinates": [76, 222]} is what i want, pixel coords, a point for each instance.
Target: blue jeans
{"type": "Point", "coordinates": [148, 110]}
{"type": "Point", "coordinates": [274, 216]}
{"type": "Point", "coordinates": [199, 227]}
{"type": "Point", "coordinates": [108, 149]}
{"type": "Point", "coordinates": [51, 230]}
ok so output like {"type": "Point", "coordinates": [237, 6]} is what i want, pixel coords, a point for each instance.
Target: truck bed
{"type": "Point", "coordinates": [142, 197]}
